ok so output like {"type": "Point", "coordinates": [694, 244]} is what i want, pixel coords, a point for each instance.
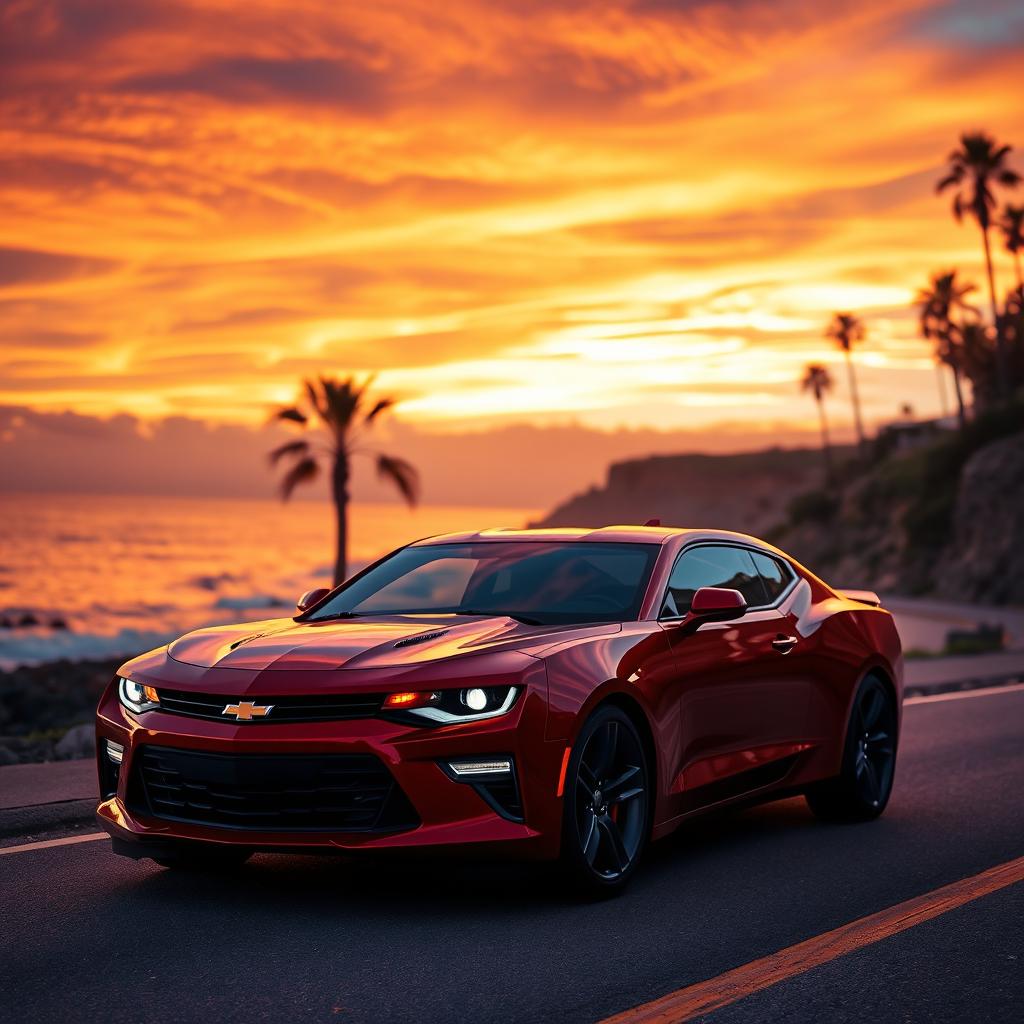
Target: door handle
{"type": "Point", "coordinates": [784, 644]}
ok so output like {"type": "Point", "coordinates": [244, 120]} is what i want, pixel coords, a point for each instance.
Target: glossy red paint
{"type": "Point", "coordinates": [729, 710]}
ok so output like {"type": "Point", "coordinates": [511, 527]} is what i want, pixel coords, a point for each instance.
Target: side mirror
{"type": "Point", "coordinates": [310, 598]}
{"type": "Point", "coordinates": [714, 604]}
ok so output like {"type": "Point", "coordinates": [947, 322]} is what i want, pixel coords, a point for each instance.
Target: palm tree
{"type": "Point", "coordinates": [846, 330]}
{"type": "Point", "coordinates": [818, 381]}
{"type": "Point", "coordinates": [938, 307]}
{"type": "Point", "coordinates": [1011, 223]}
{"type": "Point", "coordinates": [338, 405]}
{"type": "Point", "coordinates": [974, 170]}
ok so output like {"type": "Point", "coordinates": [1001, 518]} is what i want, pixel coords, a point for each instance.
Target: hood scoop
{"type": "Point", "coordinates": [421, 638]}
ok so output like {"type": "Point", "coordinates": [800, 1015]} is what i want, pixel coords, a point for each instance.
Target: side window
{"type": "Point", "coordinates": [774, 575]}
{"type": "Point", "coordinates": [712, 566]}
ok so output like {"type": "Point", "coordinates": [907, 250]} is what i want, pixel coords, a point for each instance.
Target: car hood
{"type": "Point", "coordinates": [386, 642]}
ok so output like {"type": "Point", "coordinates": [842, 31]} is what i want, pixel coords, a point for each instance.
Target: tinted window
{"type": "Point", "coordinates": [711, 566]}
{"type": "Point", "coordinates": [774, 575]}
{"type": "Point", "coordinates": [545, 580]}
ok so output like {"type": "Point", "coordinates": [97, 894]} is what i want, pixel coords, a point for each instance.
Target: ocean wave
{"type": "Point", "coordinates": [214, 580]}
{"type": "Point", "coordinates": [33, 648]}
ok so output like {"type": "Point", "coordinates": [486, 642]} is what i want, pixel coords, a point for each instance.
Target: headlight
{"type": "Point", "coordinates": [472, 704]}
{"type": "Point", "coordinates": [136, 696]}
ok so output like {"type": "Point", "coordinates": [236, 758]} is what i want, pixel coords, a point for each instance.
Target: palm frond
{"type": "Point", "coordinates": [302, 472]}
{"type": "Point", "coordinates": [402, 474]}
{"type": "Point", "coordinates": [289, 448]}
{"type": "Point", "coordinates": [381, 405]}
{"type": "Point", "coordinates": [293, 414]}
{"type": "Point", "coordinates": [315, 397]}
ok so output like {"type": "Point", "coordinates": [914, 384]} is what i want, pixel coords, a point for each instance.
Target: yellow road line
{"type": "Point", "coordinates": [706, 996]}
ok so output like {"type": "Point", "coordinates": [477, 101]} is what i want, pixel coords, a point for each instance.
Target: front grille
{"type": "Point", "coordinates": [331, 707]}
{"type": "Point", "coordinates": [269, 793]}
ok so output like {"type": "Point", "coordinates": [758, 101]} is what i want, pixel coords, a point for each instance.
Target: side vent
{"type": "Point", "coordinates": [421, 638]}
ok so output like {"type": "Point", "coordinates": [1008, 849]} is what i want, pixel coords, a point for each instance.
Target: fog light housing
{"type": "Point", "coordinates": [494, 779]}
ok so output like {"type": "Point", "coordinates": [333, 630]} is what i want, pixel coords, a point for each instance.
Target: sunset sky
{"type": "Point", "coordinates": [624, 214]}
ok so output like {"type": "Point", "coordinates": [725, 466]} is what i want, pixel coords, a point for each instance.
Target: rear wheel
{"type": "Point", "coordinates": [203, 857]}
{"type": "Point", "coordinates": [607, 804]}
{"type": "Point", "coordinates": [861, 790]}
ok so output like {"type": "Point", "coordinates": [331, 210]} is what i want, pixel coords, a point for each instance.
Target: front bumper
{"type": "Point", "coordinates": [452, 815]}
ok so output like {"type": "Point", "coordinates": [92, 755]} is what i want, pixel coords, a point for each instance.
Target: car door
{"type": "Point", "coordinates": [741, 713]}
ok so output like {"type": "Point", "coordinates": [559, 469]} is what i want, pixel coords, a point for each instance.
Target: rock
{"type": "Point", "coordinates": [78, 741]}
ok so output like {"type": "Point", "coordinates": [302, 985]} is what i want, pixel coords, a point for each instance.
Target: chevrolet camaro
{"type": "Point", "coordinates": [545, 694]}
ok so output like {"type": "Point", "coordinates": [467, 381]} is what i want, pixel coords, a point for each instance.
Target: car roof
{"type": "Point", "coordinates": [623, 534]}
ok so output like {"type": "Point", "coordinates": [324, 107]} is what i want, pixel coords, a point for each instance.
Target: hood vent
{"type": "Point", "coordinates": [245, 640]}
{"type": "Point", "coordinates": [420, 638]}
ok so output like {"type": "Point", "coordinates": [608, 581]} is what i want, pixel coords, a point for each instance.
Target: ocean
{"type": "Point", "coordinates": [90, 576]}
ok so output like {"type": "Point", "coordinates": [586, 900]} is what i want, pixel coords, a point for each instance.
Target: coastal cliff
{"type": "Point", "coordinates": [748, 492]}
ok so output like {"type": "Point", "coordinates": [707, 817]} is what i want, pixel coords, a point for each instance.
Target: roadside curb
{"type": "Point", "coordinates": [979, 683]}
{"type": "Point", "coordinates": [22, 821]}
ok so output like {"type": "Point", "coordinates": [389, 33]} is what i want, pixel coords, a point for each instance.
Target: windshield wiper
{"type": "Point", "coordinates": [524, 619]}
{"type": "Point", "coordinates": [337, 615]}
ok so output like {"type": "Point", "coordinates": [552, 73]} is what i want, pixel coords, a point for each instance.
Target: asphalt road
{"type": "Point", "coordinates": [88, 936]}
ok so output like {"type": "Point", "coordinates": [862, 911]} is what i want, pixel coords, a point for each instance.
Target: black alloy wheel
{"type": "Point", "coordinates": [607, 804]}
{"type": "Point", "coordinates": [862, 790]}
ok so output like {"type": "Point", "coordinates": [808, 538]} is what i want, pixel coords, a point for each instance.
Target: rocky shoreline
{"type": "Point", "coordinates": [46, 711]}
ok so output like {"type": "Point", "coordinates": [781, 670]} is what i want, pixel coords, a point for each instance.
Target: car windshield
{"type": "Point", "coordinates": [544, 582]}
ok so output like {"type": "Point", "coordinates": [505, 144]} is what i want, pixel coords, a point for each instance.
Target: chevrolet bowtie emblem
{"type": "Point", "coordinates": [246, 711]}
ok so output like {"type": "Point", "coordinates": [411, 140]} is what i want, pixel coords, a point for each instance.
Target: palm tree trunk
{"type": "Point", "coordinates": [961, 411]}
{"type": "Point", "coordinates": [826, 446]}
{"type": "Point", "coordinates": [339, 491]}
{"type": "Point", "coordinates": [854, 397]}
{"type": "Point", "coordinates": [943, 408]}
{"type": "Point", "coordinates": [1002, 385]}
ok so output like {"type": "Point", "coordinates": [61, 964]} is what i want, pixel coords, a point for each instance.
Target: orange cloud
{"type": "Point", "coordinates": [638, 213]}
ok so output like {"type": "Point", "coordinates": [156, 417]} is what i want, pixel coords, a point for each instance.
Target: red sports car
{"type": "Point", "coordinates": [547, 694]}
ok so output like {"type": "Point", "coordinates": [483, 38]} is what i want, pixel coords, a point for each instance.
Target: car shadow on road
{"type": "Point", "coordinates": [418, 884]}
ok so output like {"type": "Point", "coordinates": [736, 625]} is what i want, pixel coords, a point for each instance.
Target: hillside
{"type": "Point", "coordinates": [945, 519]}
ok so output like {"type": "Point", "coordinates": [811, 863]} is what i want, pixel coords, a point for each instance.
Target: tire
{"type": "Point", "coordinates": [861, 790]}
{"type": "Point", "coordinates": [203, 857]}
{"type": "Point", "coordinates": [607, 805]}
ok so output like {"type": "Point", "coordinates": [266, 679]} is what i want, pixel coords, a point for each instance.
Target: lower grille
{"type": "Point", "coordinates": [269, 793]}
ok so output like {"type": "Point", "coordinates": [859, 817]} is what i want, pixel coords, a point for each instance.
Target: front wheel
{"type": "Point", "coordinates": [607, 804]}
{"type": "Point", "coordinates": [862, 788]}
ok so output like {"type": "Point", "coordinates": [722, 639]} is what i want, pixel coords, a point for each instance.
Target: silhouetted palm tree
{"type": "Point", "coordinates": [1011, 223]}
{"type": "Point", "coordinates": [846, 330]}
{"type": "Point", "coordinates": [338, 405]}
{"type": "Point", "coordinates": [938, 307]}
{"type": "Point", "coordinates": [974, 170]}
{"type": "Point", "coordinates": [818, 381]}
